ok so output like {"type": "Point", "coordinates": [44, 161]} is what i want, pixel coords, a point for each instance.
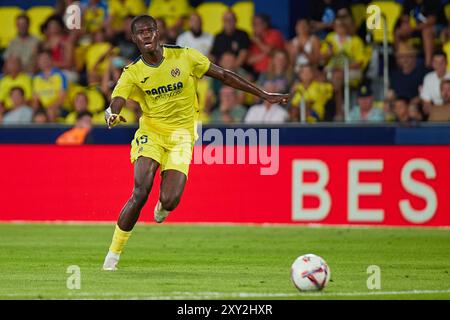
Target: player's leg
{"type": "Point", "coordinates": [171, 189]}
{"type": "Point", "coordinates": [144, 173]}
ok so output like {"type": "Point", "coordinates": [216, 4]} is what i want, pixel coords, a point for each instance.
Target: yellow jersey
{"type": "Point", "coordinates": [48, 88]}
{"type": "Point", "coordinates": [167, 92]}
{"type": "Point", "coordinates": [318, 94]}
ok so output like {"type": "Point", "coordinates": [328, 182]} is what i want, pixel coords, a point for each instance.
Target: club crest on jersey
{"type": "Point", "coordinates": [175, 72]}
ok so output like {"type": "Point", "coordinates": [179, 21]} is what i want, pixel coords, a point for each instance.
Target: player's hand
{"type": "Point", "coordinates": [278, 98]}
{"type": "Point", "coordinates": [113, 119]}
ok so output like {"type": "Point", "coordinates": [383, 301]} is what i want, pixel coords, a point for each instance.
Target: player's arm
{"type": "Point", "coordinates": [112, 114]}
{"type": "Point", "coordinates": [236, 81]}
{"type": "Point", "coordinates": [119, 96]}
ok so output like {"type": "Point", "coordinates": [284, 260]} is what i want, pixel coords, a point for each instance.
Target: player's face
{"type": "Point", "coordinates": [146, 36]}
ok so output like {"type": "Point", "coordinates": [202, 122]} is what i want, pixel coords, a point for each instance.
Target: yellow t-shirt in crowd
{"type": "Point", "coordinates": [94, 17]}
{"type": "Point", "coordinates": [23, 81]}
{"type": "Point", "coordinates": [48, 89]}
{"type": "Point", "coordinates": [353, 48]}
{"type": "Point", "coordinates": [165, 92]}
{"type": "Point", "coordinates": [318, 93]}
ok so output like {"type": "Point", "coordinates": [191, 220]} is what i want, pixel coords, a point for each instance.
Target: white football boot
{"type": "Point", "coordinates": [160, 214]}
{"type": "Point", "coordinates": [111, 261]}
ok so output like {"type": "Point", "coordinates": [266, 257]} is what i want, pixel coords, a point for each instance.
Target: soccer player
{"type": "Point", "coordinates": [163, 80]}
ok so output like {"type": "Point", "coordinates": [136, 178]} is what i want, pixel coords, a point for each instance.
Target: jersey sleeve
{"type": "Point", "coordinates": [199, 62]}
{"type": "Point", "coordinates": [124, 86]}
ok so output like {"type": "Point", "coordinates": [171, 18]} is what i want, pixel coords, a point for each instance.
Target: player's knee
{"type": "Point", "coordinates": [140, 195]}
{"type": "Point", "coordinates": [169, 201]}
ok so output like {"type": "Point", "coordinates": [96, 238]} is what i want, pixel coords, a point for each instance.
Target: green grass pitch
{"type": "Point", "coordinates": [221, 262]}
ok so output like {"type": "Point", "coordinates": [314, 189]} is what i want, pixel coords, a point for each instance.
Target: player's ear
{"type": "Point", "coordinates": [133, 37]}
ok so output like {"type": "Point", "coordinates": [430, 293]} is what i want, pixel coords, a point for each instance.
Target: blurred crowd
{"type": "Point", "coordinates": [67, 76]}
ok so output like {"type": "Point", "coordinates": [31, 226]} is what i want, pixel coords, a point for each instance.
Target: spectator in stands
{"type": "Point", "coordinates": [80, 133]}
{"type": "Point", "coordinates": [123, 41]}
{"type": "Point", "coordinates": [24, 45]}
{"type": "Point", "coordinates": [408, 76]}
{"type": "Point", "coordinates": [304, 48]}
{"type": "Point", "coordinates": [420, 19]}
{"type": "Point", "coordinates": [228, 61]}
{"type": "Point", "coordinates": [279, 72]}
{"type": "Point", "coordinates": [80, 105]}
{"type": "Point", "coordinates": [232, 40]}
{"type": "Point", "coordinates": [60, 44]}
{"type": "Point", "coordinates": [40, 116]}
{"type": "Point", "coordinates": [267, 112]}
{"type": "Point", "coordinates": [20, 112]}
{"type": "Point", "coordinates": [49, 86]}
{"type": "Point", "coordinates": [314, 94]}
{"type": "Point", "coordinates": [165, 36]}
{"type": "Point", "coordinates": [95, 15]}
{"type": "Point", "coordinates": [13, 77]}
{"type": "Point", "coordinates": [442, 112]}
{"type": "Point", "coordinates": [365, 111]}
{"type": "Point", "coordinates": [229, 111]}
{"type": "Point", "coordinates": [97, 57]}
{"type": "Point", "coordinates": [404, 112]}
{"type": "Point", "coordinates": [112, 75]}
{"type": "Point", "coordinates": [431, 88]}
{"type": "Point", "coordinates": [340, 46]}
{"type": "Point", "coordinates": [265, 39]}
{"type": "Point", "coordinates": [323, 13]}
{"type": "Point", "coordinates": [195, 37]}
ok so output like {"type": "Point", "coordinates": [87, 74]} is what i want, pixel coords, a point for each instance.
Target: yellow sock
{"type": "Point", "coordinates": [119, 240]}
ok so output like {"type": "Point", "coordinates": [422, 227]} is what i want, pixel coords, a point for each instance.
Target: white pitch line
{"type": "Point", "coordinates": [217, 295]}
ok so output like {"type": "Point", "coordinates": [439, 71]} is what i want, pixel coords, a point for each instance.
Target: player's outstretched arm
{"type": "Point", "coordinates": [112, 114]}
{"type": "Point", "coordinates": [236, 81]}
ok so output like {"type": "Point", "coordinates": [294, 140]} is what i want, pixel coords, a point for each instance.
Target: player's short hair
{"type": "Point", "coordinates": [141, 18]}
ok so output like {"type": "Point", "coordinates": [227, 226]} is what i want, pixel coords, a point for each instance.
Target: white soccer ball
{"type": "Point", "coordinates": [310, 272]}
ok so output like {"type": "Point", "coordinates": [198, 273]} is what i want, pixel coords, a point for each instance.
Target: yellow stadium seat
{"type": "Point", "coordinates": [212, 13]}
{"type": "Point", "coordinates": [447, 11]}
{"type": "Point", "coordinates": [446, 49]}
{"type": "Point", "coordinates": [94, 53]}
{"type": "Point", "coordinates": [358, 13]}
{"type": "Point", "coordinates": [119, 10]}
{"type": "Point", "coordinates": [244, 12]}
{"type": "Point", "coordinates": [392, 11]}
{"type": "Point", "coordinates": [38, 15]}
{"type": "Point", "coordinates": [8, 24]}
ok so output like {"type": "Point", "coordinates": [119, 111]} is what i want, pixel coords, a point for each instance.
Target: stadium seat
{"type": "Point", "coordinates": [244, 13]}
{"type": "Point", "coordinates": [446, 49]}
{"type": "Point", "coordinates": [212, 13]}
{"type": "Point", "coordinates": [447, 11]}
{"type": "Point", "coordinates": [358, 13]}
{"type": "Point", "coordinates": [8, 24]}
{"type": "Point", "coordinates": [38, 15]}
{"type": "Point", "coordinates": [392, 11]}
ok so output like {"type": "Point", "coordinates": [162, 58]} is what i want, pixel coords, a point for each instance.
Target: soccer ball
{"type": "Point", "coordinates": [310, 272]}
